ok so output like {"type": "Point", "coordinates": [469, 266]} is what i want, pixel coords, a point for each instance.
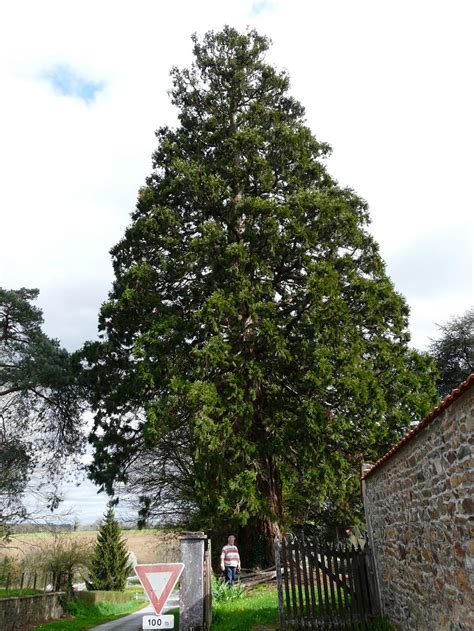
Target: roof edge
{"type": "Point", "coordinates": [441, 407]}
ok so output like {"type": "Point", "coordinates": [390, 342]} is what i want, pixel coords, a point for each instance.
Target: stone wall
{"type": "Point", "coordinates": [419, 503]}
{"type": "Point", "coordinates": [24, 611]}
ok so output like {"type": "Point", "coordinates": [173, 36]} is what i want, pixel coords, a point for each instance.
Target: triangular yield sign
{"type": "Point", "coordinates": [158, 580]}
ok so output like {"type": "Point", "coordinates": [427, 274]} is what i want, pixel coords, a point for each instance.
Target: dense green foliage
{"type": "Point", "coordinates": [253, 349]}
{"type": "Point", "coordinates": [40, 402]}
{"type": "Point", "coordinates": [453, 352]}
{"type": "Point", "coordinates": [109, 565]}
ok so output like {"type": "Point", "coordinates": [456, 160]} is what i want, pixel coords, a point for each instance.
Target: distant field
{"type": "Point", "coordinates": [149, 546]}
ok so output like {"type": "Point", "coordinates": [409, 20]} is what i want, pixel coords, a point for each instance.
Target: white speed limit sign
{"type": "Point", "coordinates": [158, 622]}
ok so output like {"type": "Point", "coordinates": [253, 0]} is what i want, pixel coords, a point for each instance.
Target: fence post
{"type": "Point", "coordinates": [278, 577]}
{"type": "Point", "coordinates": [191, 606]}
{"type": "Point", "coordinates": [372, 581]}
{"type": "Point", "coordinates": [370, 558]}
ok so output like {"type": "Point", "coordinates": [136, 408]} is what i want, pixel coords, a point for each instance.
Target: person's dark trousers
{"type": "Point", "coordinates": [230, 575]}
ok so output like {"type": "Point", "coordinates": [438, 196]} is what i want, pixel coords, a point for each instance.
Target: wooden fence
{"type": "Point", "coordinates": [325, 586]}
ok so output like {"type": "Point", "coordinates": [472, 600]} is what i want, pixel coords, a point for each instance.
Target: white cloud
{"type": "Point", "coordinates": [387, 84]}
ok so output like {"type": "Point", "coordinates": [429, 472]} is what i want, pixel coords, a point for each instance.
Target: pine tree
{"type": "Point", "coordinates": [109, 565]}
{"type": "Point", "coordinates": [253, 348]}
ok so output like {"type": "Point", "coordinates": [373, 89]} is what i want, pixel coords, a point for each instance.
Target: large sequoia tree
{"type": "Point", "coordinates": [254, 350]}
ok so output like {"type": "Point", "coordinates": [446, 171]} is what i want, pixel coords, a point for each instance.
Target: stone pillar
{"type": "Point", "coordinates": [191, 605]}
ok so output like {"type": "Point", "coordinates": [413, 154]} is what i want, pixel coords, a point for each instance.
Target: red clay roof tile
{"type": "Point", "coordinates": [445, 403]}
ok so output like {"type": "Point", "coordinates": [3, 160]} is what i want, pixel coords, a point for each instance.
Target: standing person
{"type": "Point", "coordinates": [230, 560]}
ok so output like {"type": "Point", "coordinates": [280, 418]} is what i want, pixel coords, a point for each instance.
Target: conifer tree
{"type": "Point", "coordinates": [253, 347]}
{"type": "Point", "coordinates": [453, 351]}
{"type": "Point", "coordinates": [109, 565]}
{"type": "Point", "coordinates": [41, 403]}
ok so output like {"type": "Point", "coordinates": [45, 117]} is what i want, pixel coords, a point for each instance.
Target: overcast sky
{"type": "Point", "coordinates": [84, 86]}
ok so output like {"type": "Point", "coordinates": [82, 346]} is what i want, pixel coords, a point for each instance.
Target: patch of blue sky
{"type": "Point", "coordinates": [260, 6]}
{"type": "Point", "coordinates": [67, 82]}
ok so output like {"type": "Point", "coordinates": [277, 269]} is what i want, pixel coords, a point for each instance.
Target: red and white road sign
{"type": "Point", "coordinates": [158, 580]}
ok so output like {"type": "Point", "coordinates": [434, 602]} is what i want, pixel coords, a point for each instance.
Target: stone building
{"type": "Point", "coordinates": [419, 505]}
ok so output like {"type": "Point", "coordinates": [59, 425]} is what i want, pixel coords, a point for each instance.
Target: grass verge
{"type": "Point", "coordinates": [86, 616]}
{"type": "Point", "coordinates": [11, 593]}
{"type": "Point", "coordinates": [258, 607]}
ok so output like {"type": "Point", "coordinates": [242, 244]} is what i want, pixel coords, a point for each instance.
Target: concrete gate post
{"type": "Point", "coordinates": [191, 605]}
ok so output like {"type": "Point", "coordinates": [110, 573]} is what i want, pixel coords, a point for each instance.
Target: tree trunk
{"type": "Point", "coordinates": [257, 537]}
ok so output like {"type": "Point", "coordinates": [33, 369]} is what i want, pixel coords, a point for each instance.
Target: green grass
{"type": "Point", "coordinates": [175, 613]}
{"type": "Point", "coordinates": [260, 606]}
{"type": "Point", "coordinates": [134, 589]}
{"type": "Point", "coordinates": [88, 616]}
{"type": "Point", "coordinates": [10, 593]}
